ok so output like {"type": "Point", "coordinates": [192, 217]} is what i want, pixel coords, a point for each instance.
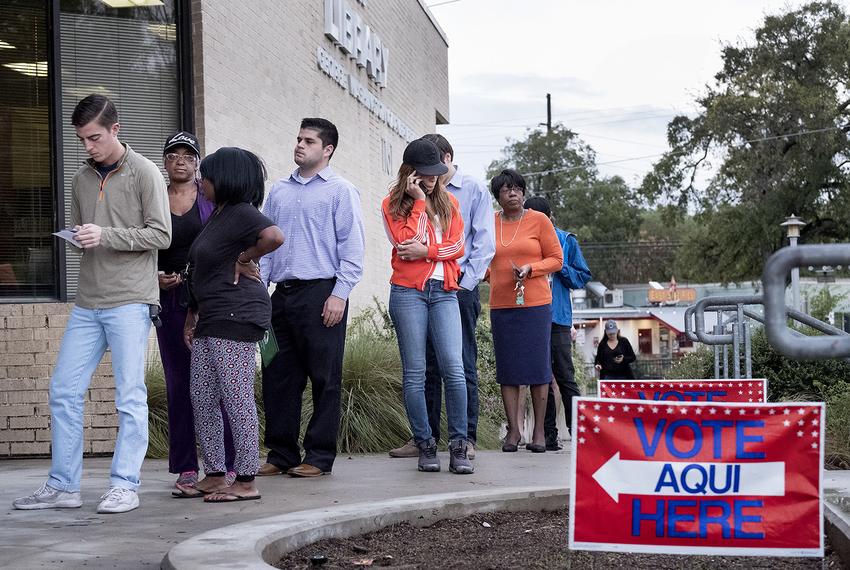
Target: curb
{"type": "Point", "coordinates": [257, 544]}
{"type": "Point", "coordinates": [837, 526]}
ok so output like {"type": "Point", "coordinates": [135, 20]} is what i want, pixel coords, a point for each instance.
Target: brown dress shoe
{"type": "Point", "coordinates": [268, 469]}
{"type": "Point", "coordinates": [409, 449]}
{"type": "Point", "coordinates": [305, 470]}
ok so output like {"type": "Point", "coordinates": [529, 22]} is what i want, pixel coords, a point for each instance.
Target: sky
{"type": "Point", "coordinates": [618, 70]}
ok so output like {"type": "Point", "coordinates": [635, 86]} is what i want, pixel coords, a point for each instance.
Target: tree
{"type": "Point", "coordinates": [770, 140]}
{"type": "Point", "coordinates": [561, 167]}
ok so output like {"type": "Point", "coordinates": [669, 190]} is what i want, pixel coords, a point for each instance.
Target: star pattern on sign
{"type": "Point", "coordinates": [786, 411]}
{"type": "Point", "coordinates": [758, 411]}
{"type": "Point", "coordinates": [772, 411]}
{"type": "Point", "coordinates": [596, 418]}
{"type": "Point", "coordinates": [626, 408]}
{"type": "Point", "coordinates": [742, 411]}
{"type": "Point", "coordinates": [799, 434]}
{"type": "Point", "coordinates": [814, 422]}
{"type": "Point", "coordinates": [740, 392]}
{"type": "Point", "coordinates": [814, 445]}
{"type": "Point", "coordinates": [698, 411]}
{"type": "Point", "coordinates": [610, 419]}
{"type": "Point", "coordinates": [801, 411]}
{"type": "Point", "coordinates": [801, 423]}
{"type": "Point", "coordinates": [654, 410]}
{"type": "Point", "coordinates": [581, 440]}
{"type": "Point", "coordinates": [727, 411]}
{"type": "Point", "coordinates": [611, 408]}
{"type": "Point", "coordinates": [596, 429]}
{"type": "Point", "coordinates": [814, 434]}
{"type": "Point", "coordinates": [623, 394]}
{"type": "Point", "coordinates": [597, 407]}
{"type": "Point", "coordinates": [683, 410]}
{"type": "Point", "coordinates": [712, 411]}
{"type": "Point", "coordinates": [641, 409]}
{"type": "Point", "coordinates": [581, 406]}
{"type": "Point", "coordinates": [582, 429]}
{"type": "Point", "coordinates": [669, 410]}
{"type": "Point", "coordinates": [786, 423]}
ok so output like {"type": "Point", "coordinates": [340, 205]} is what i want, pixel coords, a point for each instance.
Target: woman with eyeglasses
{"type": "Point", "coordinates": [527, 251]}
{"type": "Point", "coordinates": [190, 210]}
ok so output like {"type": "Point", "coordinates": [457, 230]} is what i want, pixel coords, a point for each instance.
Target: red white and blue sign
{"type": "Point", "coordinates": [714, 478]}
{"type": "Point", "coordinates": [736, 390]}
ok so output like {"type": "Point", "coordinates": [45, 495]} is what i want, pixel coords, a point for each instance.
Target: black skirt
{"type": "Point", "coordinates": [522, 343]}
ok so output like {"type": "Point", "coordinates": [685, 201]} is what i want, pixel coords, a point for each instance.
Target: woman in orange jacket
{"type": "Point", "coordinates": [424, 225]}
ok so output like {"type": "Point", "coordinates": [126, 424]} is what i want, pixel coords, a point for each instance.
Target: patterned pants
{"type": "Point", "coordinates": [223, 372]}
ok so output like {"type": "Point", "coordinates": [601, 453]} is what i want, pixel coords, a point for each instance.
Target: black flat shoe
{"type": "Point", "coordinates": [536, 447]}
{"type": "Point", "coordinates": [509, 447]}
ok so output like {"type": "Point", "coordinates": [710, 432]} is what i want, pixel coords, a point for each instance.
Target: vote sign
{"type": "Point", "coordinates": [737, 390]}
{"type": "Point", "coordinates": [697, 477]}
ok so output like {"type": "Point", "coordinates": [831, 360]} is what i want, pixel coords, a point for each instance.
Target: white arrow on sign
{"type": "Point", "coordinates": [620, 476]}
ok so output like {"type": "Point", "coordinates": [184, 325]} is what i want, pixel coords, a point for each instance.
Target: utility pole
{"type": "Point", "coordinates": [548, 113]}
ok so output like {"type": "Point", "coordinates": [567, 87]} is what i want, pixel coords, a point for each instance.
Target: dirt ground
{"type": "Point", "coordinates": [502, 540]}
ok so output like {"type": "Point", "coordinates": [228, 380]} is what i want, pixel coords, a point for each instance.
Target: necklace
{"type": "Point", "coordinates": [502, 229]}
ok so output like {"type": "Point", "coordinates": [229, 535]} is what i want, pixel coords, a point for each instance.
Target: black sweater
{"type": "Point", "coordinates": [605, 357]}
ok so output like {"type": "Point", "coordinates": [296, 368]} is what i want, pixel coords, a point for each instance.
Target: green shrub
{"type": "Point", "coordinates": [792, 380]}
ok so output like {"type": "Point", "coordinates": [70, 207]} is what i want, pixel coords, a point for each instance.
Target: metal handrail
{"type": "Point", "coordinates": [776, 314]}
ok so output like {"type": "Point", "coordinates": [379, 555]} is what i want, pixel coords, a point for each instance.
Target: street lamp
{"type": "Point", "coordinates": [793, 225]}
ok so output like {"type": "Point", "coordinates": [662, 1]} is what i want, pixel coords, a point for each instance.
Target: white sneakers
{"type": "Point", "coordinates": [46, 497]}
{"type": "Point", "coordinates": [116, 500]}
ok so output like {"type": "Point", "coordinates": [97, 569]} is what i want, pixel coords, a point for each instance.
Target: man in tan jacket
{"type": "Point", "coordinates": [120, 215]}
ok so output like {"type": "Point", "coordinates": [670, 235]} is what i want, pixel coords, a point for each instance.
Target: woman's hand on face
{"type": "Point", "coordinates": [250, 270]}
{"type": "Point", "coordinates": [169, 280]}
{"type": "Point", "coordinates": [413, 189]}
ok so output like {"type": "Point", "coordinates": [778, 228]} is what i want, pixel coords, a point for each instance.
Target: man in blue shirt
{"type": "Point", "coordinates": [315, 271]}
{"type": "Point", "coordinates": [573, 275]}
{"type": "Point", "coordinates": [476, 209]}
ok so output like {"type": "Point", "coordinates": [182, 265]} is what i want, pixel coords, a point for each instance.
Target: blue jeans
{"type": "Point", "coordinates": [89, 332]}
{"type": "Point", "coordinates": [419, 316]}
{"type": "Point", "coordinates": [469, 304]}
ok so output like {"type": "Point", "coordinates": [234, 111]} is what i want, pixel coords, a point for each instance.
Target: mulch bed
{"type": "Point", "coordinates": [507, 540]}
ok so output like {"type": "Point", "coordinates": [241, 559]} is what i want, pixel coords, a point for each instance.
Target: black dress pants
{"type": "Point", "coordinates": [307, 349]}
{"type": "Point", "coordinates": [562, 369]}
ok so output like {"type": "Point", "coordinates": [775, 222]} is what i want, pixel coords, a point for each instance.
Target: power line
{"type": "Point", "coordinates": [442, 3]}
{"type": "Point", "coordinates": [747, 141]}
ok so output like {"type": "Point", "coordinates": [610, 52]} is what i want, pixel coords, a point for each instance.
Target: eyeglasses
{"type": "Point", "coordinates": [508, 189]}
{"type": "Point", "coordinates": [174, 157]}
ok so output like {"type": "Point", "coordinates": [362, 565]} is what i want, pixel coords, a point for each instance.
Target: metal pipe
{"type": "Point", "coordinates": [775, 312]}
{"type": "Point", "coordinates": [716, 355]}
{"type": "Point", "coordinates": [708, 302]}
{"type": "Point", "coordinates": [748, 351]}
{"type": "Point", "coordinates": [736, 350]}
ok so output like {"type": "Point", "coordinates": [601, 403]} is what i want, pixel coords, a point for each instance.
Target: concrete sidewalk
{"type": "Point", "coordinates": [73, 538]}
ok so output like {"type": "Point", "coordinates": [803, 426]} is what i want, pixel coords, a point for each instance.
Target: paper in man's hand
{"type": "Point", "coordinates": [68, 235]}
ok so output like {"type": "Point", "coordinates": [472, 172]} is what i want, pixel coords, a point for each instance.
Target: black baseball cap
{"type": "Point", "coordinates": [424, 157]}
{"type": "Point", "coordinates": [183, 138]}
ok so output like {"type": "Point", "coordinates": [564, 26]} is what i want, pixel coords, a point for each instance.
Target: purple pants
{"type": "Point", "coordinates": [176, 362]}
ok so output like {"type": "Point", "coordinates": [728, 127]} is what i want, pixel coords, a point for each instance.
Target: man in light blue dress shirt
{"type": "Point", "coordinates": [315, 271]}
{"type": "Point", "coordinates": [476, 208]}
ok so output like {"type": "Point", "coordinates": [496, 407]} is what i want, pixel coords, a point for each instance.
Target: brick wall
{"type": "Point", "coordinates": [30, 336]}
{"type": "Point", "coordinates": [256, 76]}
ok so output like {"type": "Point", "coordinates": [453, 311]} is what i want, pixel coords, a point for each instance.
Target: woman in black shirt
{"type": "Point", "coordinates": [229, 312]}
{"type": "Point", "coordinates": [614, 355]}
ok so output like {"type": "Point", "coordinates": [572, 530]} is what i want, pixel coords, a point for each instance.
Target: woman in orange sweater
{"type": "Point", "coordinates": [424, 225]}
{"type": "Point", "coordinates": [527, 251]}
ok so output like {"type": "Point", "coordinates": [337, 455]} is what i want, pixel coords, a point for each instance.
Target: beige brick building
{"type": "Point", "coordinates": [238, 74]}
